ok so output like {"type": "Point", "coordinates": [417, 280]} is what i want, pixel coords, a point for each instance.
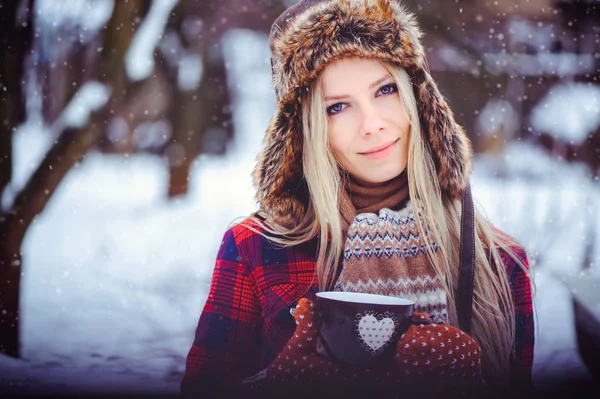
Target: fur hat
{"type": "Point", "coordinates": [304, 40]}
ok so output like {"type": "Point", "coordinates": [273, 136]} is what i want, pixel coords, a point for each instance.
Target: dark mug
{"type": "Point", "coordinates": [360, 329]}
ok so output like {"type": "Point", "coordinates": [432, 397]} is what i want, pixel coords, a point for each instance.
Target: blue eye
{"type": "Point", "coordinates": [335, 108]}
{"type": "Point", "coordinates": [388, 89]}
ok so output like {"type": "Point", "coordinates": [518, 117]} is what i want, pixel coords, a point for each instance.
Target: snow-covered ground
{"type": "Point", "coordinates": [115, 275]}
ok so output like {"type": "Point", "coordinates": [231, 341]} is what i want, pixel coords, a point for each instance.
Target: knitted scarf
{"type": "Point", "coordinates": [384, 252]}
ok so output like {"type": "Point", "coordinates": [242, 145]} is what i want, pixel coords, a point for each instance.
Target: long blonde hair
{"type": "Point", "coordinates": [493, 319]}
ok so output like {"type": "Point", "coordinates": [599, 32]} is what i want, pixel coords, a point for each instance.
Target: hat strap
{"type": "Point", "coordinates": [467, 261]}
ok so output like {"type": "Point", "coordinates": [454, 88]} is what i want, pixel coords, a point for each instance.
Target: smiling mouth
{"type": "Point", "coordinates": [379, 149]}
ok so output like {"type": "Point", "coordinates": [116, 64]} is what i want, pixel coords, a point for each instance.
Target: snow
{"type": "Point", "coordinates": [498, 116]}
{"type": "Point", "coordinates": [537, 36]}
{"type": "Point", "coordinates": [70, 21]}
{"type": "Point", "coordinates": [115, 275]}
{"type": "Point", "coordinates": [33, 137]}
{"type": "Point", "coordinates": [91, 97]}
{"type": "Point", "coordinates": [569, 111]}
{"type": "Point", "coordinates": [190, 72]}
{"type": "Point", "coordinates": [454, 59]}
{"type": "Point", "coordinates": [567, 204]}
{"type": "Point", "coordinates": [148, 135]}
{"type": "Point", "coordinates": [139, 60]}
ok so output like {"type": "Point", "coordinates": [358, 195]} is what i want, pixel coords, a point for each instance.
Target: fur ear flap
{"type": "Point", "coordinates": [450, 146]}
{"type": "Point", "coordinates": [278, 174]}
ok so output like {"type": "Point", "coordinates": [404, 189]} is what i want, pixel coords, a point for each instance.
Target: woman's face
{"type": "Point", "coordinates": [368, 124]}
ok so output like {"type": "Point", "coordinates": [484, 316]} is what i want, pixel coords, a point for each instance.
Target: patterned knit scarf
{"type": "Point", "coordinates": [384, 252]}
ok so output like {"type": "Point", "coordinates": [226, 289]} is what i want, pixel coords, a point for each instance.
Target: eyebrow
{"type": "Point", "coordinates": [371, 86]}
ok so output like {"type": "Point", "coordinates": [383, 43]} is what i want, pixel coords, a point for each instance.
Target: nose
{"type": "Point", "coordinates": [372, 119]}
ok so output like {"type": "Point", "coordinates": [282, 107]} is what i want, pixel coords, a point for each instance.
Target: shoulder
{"type": "Point", "coordinates": [245, 236]}
{"type": "Point", "coordinates": [246, 229]}
{"type": "Point", "coordinates": [514, 257]}
{"type": "Point", "coordinates": [242, 243]}
{"type": "Point", "coordinates": [511, 242]}
{"type": "Point", "coordinates": [513, 253]}
{"type": "Point", "coordinates": [256, 243]}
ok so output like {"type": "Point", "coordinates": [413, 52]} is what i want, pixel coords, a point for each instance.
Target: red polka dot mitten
{"type": "Point", "coordinates": [427, 356]}
{"type": "Point", "coordinates": [298, 362]}
{"type": "Point", "coordinates": [441, 354]}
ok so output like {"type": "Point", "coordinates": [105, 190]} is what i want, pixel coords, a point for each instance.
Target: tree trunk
{"type": "Point", "coordinates": [10, 275]}
{"type": "Point", "coordinates": [189, 123]}
{"type": "Point", "coordinates": [179, 177]}
{"type": "Point", "coordinates": [15, 39]}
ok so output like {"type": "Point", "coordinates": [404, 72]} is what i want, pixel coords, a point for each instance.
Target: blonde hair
{"type": "Point", "coordinates": [493, 318]}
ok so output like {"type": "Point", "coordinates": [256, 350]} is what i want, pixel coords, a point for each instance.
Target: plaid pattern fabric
{"type": "Point", "coordinates": [521, 291]}
{"type": "Point", "coordinates": [246, 319]}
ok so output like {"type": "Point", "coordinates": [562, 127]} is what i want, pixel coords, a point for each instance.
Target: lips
{"type": "Point", "coordinates": [378, 148]}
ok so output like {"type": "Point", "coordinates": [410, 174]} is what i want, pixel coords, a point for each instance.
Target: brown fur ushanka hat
{"type": "Point", "coordinates": [304, 40]}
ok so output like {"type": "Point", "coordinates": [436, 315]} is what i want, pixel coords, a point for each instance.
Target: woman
{"type": "Point", "coordinates": [361, 139]}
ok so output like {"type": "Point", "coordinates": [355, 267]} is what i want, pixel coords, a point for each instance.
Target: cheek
{"type": "Point", "coordinates": [399, 114]}
{"type": "Point", "coordinates": [340, 139]}
{"type": "Point", "coordinates": [405, 145]}
{"type": "Point", "coordinates": [337, 145]}
{"type": "Point", "coordinates": [405, 120]}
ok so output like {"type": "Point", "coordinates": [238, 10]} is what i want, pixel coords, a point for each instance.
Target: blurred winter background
{"type": "Point", "coordinates": [129, 131]}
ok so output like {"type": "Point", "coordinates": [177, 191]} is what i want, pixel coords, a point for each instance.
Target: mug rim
{"type": "Point", "coordinates": [363, 298]}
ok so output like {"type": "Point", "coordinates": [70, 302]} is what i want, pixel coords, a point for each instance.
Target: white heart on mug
{"type": "Point", "coordinates": [375, 333]}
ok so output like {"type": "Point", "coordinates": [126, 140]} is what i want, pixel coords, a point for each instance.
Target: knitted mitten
{"type": "Point", "coordinates": [299, 361]}
{"type": "Point", "coordinates": [439, 357]}
{"type": "Point", "coordinates": [440, 351]}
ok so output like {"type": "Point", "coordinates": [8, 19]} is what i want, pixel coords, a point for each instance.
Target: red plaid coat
{"type": "Point", "coordinates": [246, 319]}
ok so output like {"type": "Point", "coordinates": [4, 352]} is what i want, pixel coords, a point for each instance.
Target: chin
{"type": "Point", "coordinates": [380, 178]}
{"type": "Point", "coordinates": [383, 177]}
{"type": "Point", "coordinates": [379, 174]}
